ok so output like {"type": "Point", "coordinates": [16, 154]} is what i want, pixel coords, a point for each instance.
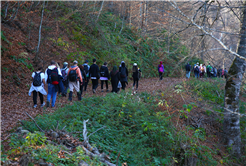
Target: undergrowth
{"type": "Point", "coordinates": [212, 91]}
{"type": "Point", "coordinates": [136, 129]}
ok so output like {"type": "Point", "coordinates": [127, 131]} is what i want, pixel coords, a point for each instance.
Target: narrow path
{"type": "Point", "coordinates": [14, 106]}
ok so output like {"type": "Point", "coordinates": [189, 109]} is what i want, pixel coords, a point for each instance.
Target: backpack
{"type": "Point", "coordinates": [123, 72]}
{"type": "Point", "coordinates": [86, 69]}
{"type": "Point", "coordinates": [37, 79]}
{"type": "Point", "coordinates": [161, 69]}
{"type": "Point", "coordinates": [54, 76]}
{"type": "Point", "coordinates": [196, 69]}
{"type": "Point", "coordinates": [64, 74]}
{"type": "Point", "coordinates": [73, 75]}
{"type": "Point", "coordinates": [139, 74]}
{"type": "Point", "coordinates": [102, 71]}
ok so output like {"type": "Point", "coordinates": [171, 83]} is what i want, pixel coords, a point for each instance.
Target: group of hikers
{"type": "Point", "coordinates": [77, 77]}
{"type": "Point", "coordinates": [200, 71]}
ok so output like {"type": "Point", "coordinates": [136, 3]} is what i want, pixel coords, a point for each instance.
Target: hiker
{"type": "Point", "coordinates": [104, 76]}
{"type": "Point", "coordinates": [86, 69]}
{"type": "Point", "coordinates": [115, 79]}
{"type": "Point", "coordinates": [201, 69]}
{"type": "Point", "coordinates": [38, 87]}
{"type": "Point", "coordinates": [61, 87]}
{"type": "Point", "coordinates": [161, 70]}
{"type": "Point", "coordinates": [209, 68]}
{"type": "Point", "coordinates": [95, 75]}
{"type": "Point", "coordinates": [136, 74]}
{"type": "Point", "coordinates": [205, 70]}
{"type": "Point", "coordinates": [52, 75]}
{"type": "Point", "coordinates": [83, 74]}
{"type": "Point", "coordinates": [64, 72]}
{"type": "Point", "coordinates": [75, 80]}
{"type": "Point", "coordinates": [188, 68]}
{"type": "Point", "coordinates": [215, 72]}
{"type": "Point", "coordinates": [225, 73]}
{"type": "Point", "coordinates": [219, 72]}
{"type": "Point", "coordinates": [196, 71]}
{"type": "Point", "coordinates": [123, 75]}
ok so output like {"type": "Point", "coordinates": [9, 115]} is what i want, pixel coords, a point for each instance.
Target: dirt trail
{"type": "Point", "coordinates": [14, 105]}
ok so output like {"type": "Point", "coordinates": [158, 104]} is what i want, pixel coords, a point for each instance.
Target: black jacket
{"type": "Point", "coordinates": [105, 70]}
{"type": "Point", "coordinates": [115, 76]}
{"type": "Point", "coordinates": [83, 74]}
{"type": "Point", "coordinates": [188, 67]}
{"type": "Point", "coordinates": [94, 70]}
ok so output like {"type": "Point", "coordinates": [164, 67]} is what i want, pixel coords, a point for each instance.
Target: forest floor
{"type": "Point", "coordinates": [15, 105]}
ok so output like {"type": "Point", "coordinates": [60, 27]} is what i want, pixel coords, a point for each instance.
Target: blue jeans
{"type": "Point", "coordinates": [51, 92]}
{"type": "Point", "coordinates": [196, 75]}
{"type": "Point", "coordinates": [187, 74]}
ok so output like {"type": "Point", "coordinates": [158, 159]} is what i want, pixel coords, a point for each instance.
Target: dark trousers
{"type": "Point", "coordinates": [65, 84]}
{"type": "Point", "coordinates": [35, 95]}
{"type": "Point", "coordinates": [86, 83]}
{"type": "Point", "coordinates": [94, 83]}
{"type": "Point", "coordinates": [123, 83]}
{"type": "Point", "coordinates": [160, 75]}
{"type": "Point", "coordinates": [106, 82]}
{"type": "Point", "coordinates": [135, 81]}
{"type": "Point", "coordinates": [208, 74]}
{"type": "Point", "coordinates": [114, 86]}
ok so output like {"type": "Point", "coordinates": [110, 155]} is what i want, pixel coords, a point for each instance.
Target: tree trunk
{"type": "Point", "coordinates": [232, 90]}
{"type": "Point", "coordinates": [100, 11]}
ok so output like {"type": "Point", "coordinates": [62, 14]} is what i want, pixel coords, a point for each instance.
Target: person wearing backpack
{"type": "Point", "coordinates": [38, 87]}
{"type": "Point", "coordinates": [208, 70]}
{"type": "Point", "coordinates": [86, 69]}
{"type": "Point", "coordinates": [219, 72]}
{"type": "Point", "coordinates": [75, 80]}
{"type": "Point", "coordinates": [188, 69]}
{"type": "Point", "coordinates": [123, 75]}
{"type": "Point", "coordinates": [95, 75]}
{"type": "Point", "coordinates": [64, 72]}
{"type": "Point", "coordinates": [225, 73]}
{"type": "Point", "coordinates": [60, 85]}
{"type": "Point", "coordinates": [201, 69]}
{"type": "Point", "coordinates": [83, 74]}
{"type": "Point", "coordinates": [104, 76]}
{"type": "Point", "coordinates": [135, 75]}
{"type": "Point", "coordinates": [52, 75]}
{"type": "Point", "coordinates": [161, 70]}
{"type": "Point", "coordinates": [196, 71]}
{"type": "Point", "coordinates": [115, 78]}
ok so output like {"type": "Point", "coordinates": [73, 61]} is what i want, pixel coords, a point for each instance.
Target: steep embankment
{"type": "Point", "coordinates": [67, 35]}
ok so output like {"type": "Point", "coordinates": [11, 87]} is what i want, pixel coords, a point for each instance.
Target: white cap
{"type": "Point", "coordinates": [134, 64]}
{"type": "Point", "coordinates": [65, 63]}
{"type": "Point", "coordinates": [75, 62]}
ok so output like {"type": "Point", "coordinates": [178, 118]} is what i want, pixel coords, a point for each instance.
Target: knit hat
{"type": "Point", "coordinates": [122, 62]}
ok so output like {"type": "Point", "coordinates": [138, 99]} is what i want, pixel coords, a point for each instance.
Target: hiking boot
{"type": "Point", "coordinates": [48, 104]}
{"type": "Point", "coordinates": [133, 88]}
{"type": "Point", "coordinates": [70, 96]}
{"type": "Point", "coordinates": [94, 91]}
{"type": "Point", "coordinates": [102, 91]}
{"type": "Point", "coordinates": [35, 106]}
{"type": "Point", "coordinates": [42, 104]}
{"type": "Point", "coordinates": [64, 95]}
{"type": "Point", "coordinates": [107, 90]}
{"type": "Point", "coordinates": [79, 96]}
